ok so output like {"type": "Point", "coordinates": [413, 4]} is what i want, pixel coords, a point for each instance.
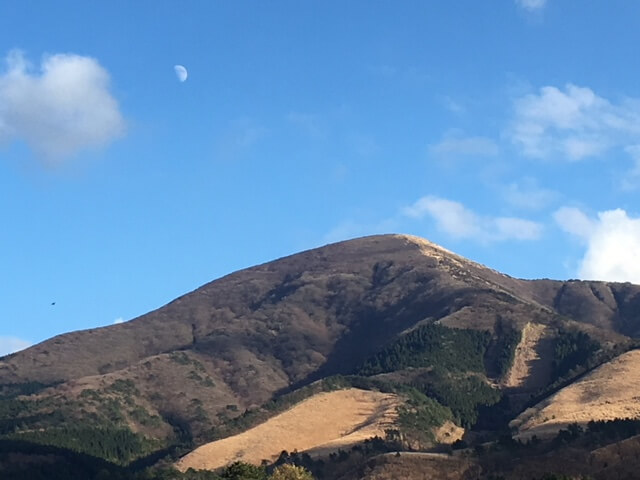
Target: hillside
{"type": "Point", "coordinates": [394, 312]}
{"type": "Point", "coordinates": [607, 393]}
{"type": "Point", "coordinates": [323, 423]}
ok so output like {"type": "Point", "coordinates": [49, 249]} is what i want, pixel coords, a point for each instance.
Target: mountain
{"type": "Point", "coordinates": [390, 310]}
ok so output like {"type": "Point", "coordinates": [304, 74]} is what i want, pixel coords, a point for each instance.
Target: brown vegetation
{"type": "Point", "coordinates": [609, 392]}
{"type": "Point", "coordinates": [321, 424]}
{"type": "Point", "coordinates": [241, 340]}
{"type": "Point", "coordinates": [531, 369]}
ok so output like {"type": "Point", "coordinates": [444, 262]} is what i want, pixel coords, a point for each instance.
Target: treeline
{"type": "Point", "coordinates": [432, 345]}
{"type": "Point", "coordinates": [456, 358]}
{"type": "Point", "coordinates": [19, 414]}
{"type": "Point", "coordinates": [463, 394]}
{"type": "Point", "coordinates": [46, 462]}
{"type": "Point", "coordinates": [11, 390]}
{"type": "Point", "coordinates": [573, 349]}
{"type": "Point", "coordinates": [417, 419]}
{"type": "Point", "coordinates": [338, 463]}
{"type": "Point", "coordinates": [21, 460]}
{"type": "Point", "coordinates": [117, 445]}
{"type": "Point", "coordinates": [503, 348]}
{"type": "Point", "coordinates": [241, 471]}
{"type": "Point", "coordinates": [600, 432]}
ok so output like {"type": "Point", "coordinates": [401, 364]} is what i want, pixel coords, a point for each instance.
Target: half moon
{"type": "Point", "coordinates": [181, 72]}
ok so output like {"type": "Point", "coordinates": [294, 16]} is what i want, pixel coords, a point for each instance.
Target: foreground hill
{"type": "Point", "coordinates": [394, 312]}
{"type": "Point", "coordinates": [325, 422]}
{"type": "Point", "coordinates": [607, 393]}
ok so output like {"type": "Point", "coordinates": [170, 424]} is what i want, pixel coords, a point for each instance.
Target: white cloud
{"type": "Point", "coordinates": [612, 243]}
{"type": "Point", "coordinates": [528, 195]}
{"type": "Point", "coordinates": [11, 345]}
{"type": "Point", "coordinates": [451, 217]}
{"type": "Point", "coordinates": [575, 221]}
{"type": "Point", "coordinates": [118, 320]}
{"type": "Point", "coordinates": [507, 228]}
{"type": "Point", "coordinates": [61, 109]}
{"type": "Point", "coordinates": [453, 144]}
{"type": "Point", "coordinates": [574, 122]}
{"type": "Point", "coordinates": [456, 220]}
{"type": "Point", "coordinates": [577, 148]}
{"type": "Point", "coordinates": [531, 5]}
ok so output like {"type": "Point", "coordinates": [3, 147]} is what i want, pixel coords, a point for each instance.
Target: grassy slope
{"type": "Point", "coordinates": [322, 423]}
{"type": "Point", "coordinates": [607, 393]}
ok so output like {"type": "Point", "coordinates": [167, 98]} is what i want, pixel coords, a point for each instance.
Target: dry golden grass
{"type": "Point", "coordinates": [531, 363]}
{"type": "Point", "coordinates": [320, 424]}
{"type": "Point", "coordinates": [609, 392]}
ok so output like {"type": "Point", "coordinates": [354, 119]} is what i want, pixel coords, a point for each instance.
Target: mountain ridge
{"type": "Point", "coordinates": [547, 294]}
{"type": "Point", "coordinates": [185, 370]}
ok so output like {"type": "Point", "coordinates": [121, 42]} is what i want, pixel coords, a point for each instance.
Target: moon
{"type": "Point", "coordinates": [181, 72]}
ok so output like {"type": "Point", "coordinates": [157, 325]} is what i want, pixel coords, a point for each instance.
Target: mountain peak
{"type": "Point", "coordinates": [357, 307]}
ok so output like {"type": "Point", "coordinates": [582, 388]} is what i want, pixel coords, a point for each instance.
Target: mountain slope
{"type": "Point", "coordinates": [382, 275]}
{"type": "Point", "coordinates": [326, 421]}
{"type": "Point", "coordinates": [607, 393]}
{"type": "Point", "coordinates": [184, 370]}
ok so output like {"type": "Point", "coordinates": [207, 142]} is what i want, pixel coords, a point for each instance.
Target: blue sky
{"type": "Point", "coordinates": [508, 133]}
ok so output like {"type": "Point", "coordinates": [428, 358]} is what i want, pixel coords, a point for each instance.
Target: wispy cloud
{"type": "Point", "coordinates": [241, 136]}
{"type": "Point", "coordinates": [574, 221]}
{"type": "Point", "coordinates": [574, 123]}
{"type": "Point", "coordinates": [452, 105]}
{"type": "Point", "coordinates": [631, 180]}
{"type": "Point", "coordinates": [456, 220]}
{"type": "Point", "coordinates": [12, 344]}
{"type": "Point", "coordinates": [62, 108]}
{"type": "Point", "coordinates": [457, 145]}
{"type": "Point", "coordinates": [364, 145]}
{"type": "Point", "coordinates": [612, 243]}
{"type": "Point", "coordinates": [245, 136]}
{"type": "Point", "coordinates": [118, 320]}
{"type": "Point", "coordinates": [526, 194]}
{"type": "Point", "coordinates": [531, 5]}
